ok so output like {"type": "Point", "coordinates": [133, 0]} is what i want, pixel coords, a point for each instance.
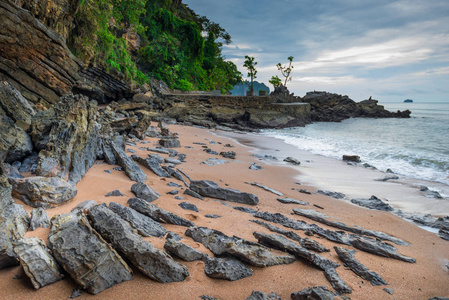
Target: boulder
{"type": "Point", "coordinates": [226, 268]}
{"type": "Point", "coordinates": [145, 192]}
{"type": "Point", "coordinates": [143, 224]}
{"type": "Point", "coordinates": [38, 264]}
{"type": "Point", "coordinates": [292, 161]}
{"type": "Point", "coordinates": [132, 169]}
{"type": "Point", "coordinates": [352, 158]}
{"type": "Point", "coordinates": [169, 143]}
{"type": "Point", "coordinates": [181, 250]}
{"type": "Point", "coordinates": [39, 218]}
{"type": "Point", "coordinates": [209, 188]}
{"type": "Point", "coordinates": [373, 203]}
{"type": "Point", "coordinates": [91, 262]}
{"type": "Point", "coordinates": [153, 262]}
{"type": "Point", "coordinates": [43, 192]}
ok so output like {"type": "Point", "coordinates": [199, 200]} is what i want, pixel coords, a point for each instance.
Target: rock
{"type": "Point", "coordinates": [115, 193]}
{"type": "Point", "coordinates": [255, 167]}
{"type": "Point", "coordinates": [193, 194]}
{"type": "Point", "coordinates": [292, 201]}
{"type": "Point", "coordinates": [444, 234]}
{"type": "Point", "coordinates": [337, 283]}
{"type": "Point", "coordinates": [143, 224]}
{"type": "Point", "coordinates": [29, 164]}
{"type": "Point", "coordinates": [173, 184]}
{"type": "Point", "coordinates": [43, 192]}
{"type": "Point", "coordinates": [265, 157]}
{"type": "Point", "coordinates": [352, 158]}
{"type": "Point", "coordinates": [174, 161]}
{"type": "Point", "coordinates": [153, 262]}
{"type": "Point", "coordinates": [151, 163]}
{"type": "Point", "coordinates": [315, 293]}
{"type": "Point", "coordinates": [145, 192]}
{"type": "Point", "coordinates": [174, 192]}
{"type": "Point", "coordinates": [156, 213]}
{"type": "Point", "coordinates": [172, 173]}
{"type": "Point", "coordinates": [173, 236]}
{"type": "Point", "coordinates": [39, 218]}
{"type": "Point", "coordinates": [11, 171]}
{"type": "Point", "coordinates": [132, 169]}
{"type": "Point", "coordinates": [281, 243]}
{"type": "Point", "coordinates": [212, 216]}
{"type": "Point", "coordinates": [228, 154]}
{"type": "Point", "coordinates": [266, 188]}
{"type": "Point", "coordinates": [84, 205]}
{"type": "Point", "coordinates": [15, 106]}
{"type": "Point", "coordinates": [386, 178]}
{"type": "Point", "coordinates": [373, 203]}
{"type": "Point", "coordinates": [348, 259]}
{"type": "Point", "coordinates": [304, 191]}
{"type": "Point", "coordinates": [209, 188]}
{"type": "Point", "coordinates": [215, 161]}
{"type": "Point", "coordinates": [210, 151]}
{"type": "Point", "coordinates": [75, 293]}
{"type": "Point", "coordinates": [251, 253]}
{"type": "Point", "coordinates": [388, 290]}
{"type": "Point", "coordinates": [226, 268]}
{"type": "Point", "coordinates": [188, 206]}
{"type": "Point", "coordinates": [169, 143]}
{"type": "Point", "coordinates": [16, 143]}
{"type": "Point", "coordinates": [85, 255]}
{"type": "Point", "coordinates": [292, 160]}
{"type": "Point", "coordinates": [243, 209]}
{"type": "Point", "coordinates": [181, 250]}
{"type": "Point", "coordinates": [335, 195]}
{"type": "Point", "coordinates": [257, 295]}
{"type": "Point", "coordinates": [157, 150]}
{"type": "Point", "coordinates": [38, 264]}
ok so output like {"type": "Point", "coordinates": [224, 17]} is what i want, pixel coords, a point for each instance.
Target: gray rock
{"type": "Point", "coordinates": [85, 255]}
{"type": "Point", "coordinates": [215, 161]}
{"type": "Point", "coordinates": [132, 169]}
{"type": "Point", "coordinates": [352, 158]}
{"type": "Point", "coordinates": [337, 283]}
{"type": "Point", "coordinates": [152, 164]}
{"type": "Point", "coordinates": [257, 295]}
{"type": "Point", "coordinates": [228, 154]}
{"type": "Point", "coordinates": [292, 201]}
{"type": "Point", "coordinates": [181, 250]}
{"type": "Point", "coordinates": [174, 192]}
{"type": "Point", "coordinates": [386, 178]}
{"type": "Point", "coordinates": [39, 218]}
{"type": "Point", "coordinates": [249, 252]}
{"type": "Point", "coordinates": [12, 171]}
{"type": "Point", "coordinates": [226, 268]}
{"type": "Point", "coordinates": [389, 291]}
{"type": "Point", "coordinates": [210, 151]}
{"type": "Point", "coordinates": [29, 164]}
{"type": "Point", "coordinates": [170, 160]}
{"type": "Point", "coordinates": [169, 143]}
{"type": "Point", "coordinates": [265, 157]}
{"type": "Point", "coordinates": [84, 205]}
{"type": "Point", "coordinates": [173, 184]}
{"type": "Point", "coordinates": [143, 191]}
{"type": "Point", "coordinates": [444, 234]}
{"type": "Point", "coordinates": [292, 160]}
{"type": "Point", "coordinates": [38, 264]}
{"type": "Point", "coordinates": [244, 209]}
{"type": "Point", "coordinates": [175, 174]}
{"type": "Point", "coordinates": [158, 150]}
{"type": "Point", "coordinates": [188, 206]}
{"type": "Point", "coordinates": [212, 216]}
{"type": "Point", "coordinates": [193, 194]}
{"type": "Point", "coordinates": [266, 188]}
{"type": "Point", "coordinates": [348, 259]}
{"type": "Point", "coordinates": [255, 167]}
{"type": "Point", "coordinates": [173, 236]}
{"type": "Point", "coordinates": [304, 191]}
{"type": "Point", "coordinates": [209, 188]}
{"type": "Point", "coordinates": [143, 224]}
{"type": "Point", "coordinates": [373, 203]}
{"type": "Point", "coordinates": [153, 262]}
{"type": "Point", "coordinates": [156, 213]}
{"type": "Point", "coordinates": [43, 192]}
{"type": "Point", "coordinates": [315, 293]}
{"type": "Point", "coordinates": [114, 193]}
{"type": "Point", "coordinates": [335, 195]}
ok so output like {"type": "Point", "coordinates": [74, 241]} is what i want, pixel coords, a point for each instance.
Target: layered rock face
{"type": "Point", "coordinates": [34, 59]}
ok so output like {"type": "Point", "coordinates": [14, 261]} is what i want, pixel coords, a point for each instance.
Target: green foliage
{"type": "Point", "coordinates": [250, 64]}
{"type": "Point", "coordinates": [275, 81]}
{"type": "Point", "coordinates": [285, 71]}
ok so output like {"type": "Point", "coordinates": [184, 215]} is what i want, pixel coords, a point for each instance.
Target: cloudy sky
{"type": "Point", "coordinates": [390, 50]}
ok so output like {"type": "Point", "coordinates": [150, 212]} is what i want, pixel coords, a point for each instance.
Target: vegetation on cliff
{"type": "Point", "coordinates": [163, 39]}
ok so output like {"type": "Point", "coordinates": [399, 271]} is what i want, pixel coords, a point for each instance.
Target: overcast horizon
{"type": "Point", "coordinates": [390, 50]}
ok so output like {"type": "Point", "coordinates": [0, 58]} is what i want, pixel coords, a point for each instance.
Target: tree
{"type": "Point", "coordinates": [286, 70]}
{"type": "Point", "coordinates": [275, 81]}
{"type": "Point", "coordinates": [250, 64]}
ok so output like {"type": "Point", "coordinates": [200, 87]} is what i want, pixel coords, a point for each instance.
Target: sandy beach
{"type": "Point", "coordinates": [428, 277]}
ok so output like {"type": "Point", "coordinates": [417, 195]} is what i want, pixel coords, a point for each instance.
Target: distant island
{"type": "Point", "coordinates": [408, 101]}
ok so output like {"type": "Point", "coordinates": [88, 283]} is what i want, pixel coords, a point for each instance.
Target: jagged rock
{"type": "Point", "coordinates": [243, 209]}
{"type": "Point", "coordinates": [153, 262]}
{"type": "Point", "coordinates": [158, 150]}
{"type": "Point", "coordinates": [145, 192]}
{"type": "Point", "coordinates": [85, 255]}
{"type": "Point", "coordinates": [143, 224]}
{"type": "Point", "coordinates": [226, 268]}
{"type": "Point", "coordinates": [156, 213]}
{"type": "Point", "coordinates": [292, 160]}
{"type": "Point", "coordinates": [304, 242]}
{"type": "Point", "coordinates": [337, 283]}
{"type": "Point", "coordinates": [279, 242]}
{"type": "Point", "coordinates": [292, 201]}
{"type": "Point", "coordinates": [251, 253]}
{"type": "Point", "coordinates": [84, 205]}
{"type": "Point", "coordinates": [174, 236]}
{"type": "Point", "coordinates": [228, 154]}
{"type": "Point", "coordinates": [427, 220]}
{"type": "Point", "coordinates": [39, 218]}
{"type": "Point", "coordinates": [348, 259]}
{"type": "Point", "coordinates": [173, 173]}
{"type": "Point", "coordinates": [373, 203]}
{"type": "Point", "coordinates": [12, 171]}
{"type": "Point", "coordinates": [193, 194]}
{"type": "Point", "coordinates": [15, 106]}
{"type": "Point", "coordinates": [169, 143]}
{"type": "Point", "coordinates": [255, 167]}
{"type": "Point", "coordinates": [210, 151]}
{"type": "Point", "coordinates": [209, 188]}
{"type": "Point", "coordinates": [38, 264]}
{"type": "Point", "coordinates": [151, 163]}
{"type": "Point", "coordinates": [114, 193]}
{"type": "Point", "coordinates": [266, 188]}
{"type": "Point", "coordinates": [352, 158]}
{"type": "Point", "coordinates": [108, 154]}
{"type": "Point", "coordinates": [444, 234]}
{"type": "Point", "coordinates": [142, 125]}
{"type": "Point", "coordinates": [335, 195]}
{"type": "Point", "coordinates": [29, 164]}
{"type": "Point", "coordinates": [132, 169]}
{"type": "Point", "coordinates": [314, 293]}
{"type": "Point", "coordinates": [75, 293]}
{"type": "Point", "coordinates": [181, 250]}
{"type": "Point", "coordinates": [188, 206]}
{"type": "Point", "coordinates": [257, 295]}
{"type": "Point", "coordinates": [43, 192]}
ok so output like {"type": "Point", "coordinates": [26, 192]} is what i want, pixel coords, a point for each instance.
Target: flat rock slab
{"type": "Point", "coordinates": [209, 188]}
{"type": "Point", "coordinates": [335, 195]}
{"type": "Point", "coordinates": [292, 201]}
{"type": "Point", "coordinates": [226, 268]}
{"type": "Point", "coordinates": [373, 203]}
{"type": "Point", "coordinates": [266, 188]}
{"type": "Point", "coordinates": [181, 250]}
{"type": "Point", "coordinates": [132, 169]}
{"type": "Point", "coordinates": [39, 218]}
{"type": "Point", "coordinates": [153, 262]}
{"type": "Point", "coordinates": [143, 224]}
{"type": "Point", "coordinates": [85, 255]}
{"type": "Point", "coordinates": [157, 214]}
{"type": "Point", "coordinates": [38, 264]}
{"type": "Point", "coordinates": [315, 293]}
{"type": "Point", "coordinates": [152, 163]}
{"type": "Point", "coordinates": [188, 206]}
{"type": "Point", "coordinates": [145, 192]}
{"type": "Point", "coordinates": [43, 192]}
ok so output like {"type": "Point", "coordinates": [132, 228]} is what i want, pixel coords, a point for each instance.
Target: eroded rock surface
{"type": "Point", "coordinates": [209, 188]}
{"type": "Point", "coordinates": [145, 192]}
{"type": "Point", "coordinates": [181, 250]}
{"type": "Point", "coordinates": [226, 268]}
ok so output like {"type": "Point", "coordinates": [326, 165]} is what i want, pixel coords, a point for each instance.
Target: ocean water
{"type": "Point", "coordinates": [417, 147]}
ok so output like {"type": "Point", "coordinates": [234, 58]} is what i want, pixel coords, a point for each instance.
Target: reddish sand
{"type": "Point", "coordinates": [428, 277]}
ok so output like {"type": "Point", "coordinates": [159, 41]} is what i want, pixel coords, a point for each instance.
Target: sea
{"type": "Point", "coordinates": [416, 147]}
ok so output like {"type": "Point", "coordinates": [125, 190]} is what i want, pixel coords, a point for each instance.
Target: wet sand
{"type": "Point", "coordinates": [428, 277]}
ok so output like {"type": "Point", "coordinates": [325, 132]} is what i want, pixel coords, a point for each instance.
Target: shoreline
{"type": "Point", "coordinates": [428, 277]}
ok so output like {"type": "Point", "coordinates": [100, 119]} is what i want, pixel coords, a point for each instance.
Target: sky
{"type": "Point", "coordinates": [390, 50]}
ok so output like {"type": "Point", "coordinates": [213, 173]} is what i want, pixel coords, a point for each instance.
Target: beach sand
{"type": "Point", "coordinates": [428, 277]}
